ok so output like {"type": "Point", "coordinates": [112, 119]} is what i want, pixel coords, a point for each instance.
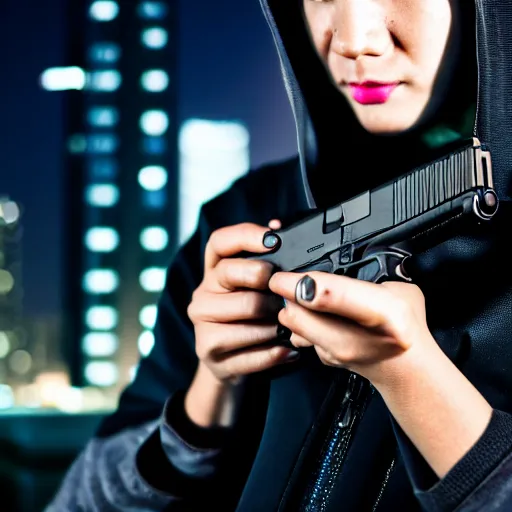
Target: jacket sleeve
{"type": "Point", "coordinates": [481, 480]}
{"type": "Point", "coordinates": [137, 459]}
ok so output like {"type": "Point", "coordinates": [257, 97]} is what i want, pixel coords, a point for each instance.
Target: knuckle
{"type": "Point", "coordinates": [204, 348]}
{"type": "Point", "coordinates": [201, 350]}
{"type": "Point", "coordinates": [257, 273]}
{"type": "Point", "coordinates": [249, 304]}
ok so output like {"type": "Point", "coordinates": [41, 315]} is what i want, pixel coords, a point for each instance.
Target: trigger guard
{"type": "Point", "coordinates": [388, 266]}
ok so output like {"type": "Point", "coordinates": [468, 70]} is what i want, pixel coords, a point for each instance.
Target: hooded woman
{"type": "Point", "coordinates": [400, 397]}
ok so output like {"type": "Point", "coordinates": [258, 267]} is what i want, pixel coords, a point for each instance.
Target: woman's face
{"type": "Point", "coordinates": [384, 55]}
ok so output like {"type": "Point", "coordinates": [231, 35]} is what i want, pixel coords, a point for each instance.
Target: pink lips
{"type": "Point", "coordinates": [372, 93]}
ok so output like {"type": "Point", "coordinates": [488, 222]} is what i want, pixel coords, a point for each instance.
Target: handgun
{"type": "Point", "coordinates": [372, 236]}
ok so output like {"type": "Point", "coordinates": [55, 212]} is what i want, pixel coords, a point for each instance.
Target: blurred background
{"type": "Point", "coordinates": [120, 118]}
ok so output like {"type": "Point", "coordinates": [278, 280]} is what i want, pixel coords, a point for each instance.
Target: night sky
{"type": "Point", "coordinates": [228, 69]}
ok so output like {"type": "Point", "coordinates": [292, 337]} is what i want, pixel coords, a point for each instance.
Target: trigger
{"type": "Point", "coordinates": [371, 271]}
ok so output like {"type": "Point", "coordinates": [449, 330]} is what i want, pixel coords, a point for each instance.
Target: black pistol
{"type": "Point", "coordinates": [372, 235]}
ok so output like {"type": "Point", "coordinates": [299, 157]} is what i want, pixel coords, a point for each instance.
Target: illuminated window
{"type": "Point", "coordinates": [102, 168]}
{"type": "Point", "coordinates": [20, 362]}
{"type": "Point", "coordinates": [101, 239]}
{"type": "Point", "coordinates": [154, 38]}
{"type": "Point", "coordinates": [6, 397]}
{"type": "Point", "coordinates": [63, 79]}
{"type": "Point", "coordinates": [102, 196]}
{"type": "Point", "coordinates": [133, 372]}
{"type": "Point", "coordinates": [103, 116]}
{"type": "Point", "coordinates": [101, 318]}
{"type": "Point", "coordinates": [147, 316]}
{"type": "Point", "coordinates": [152, 10]}
{"type": "Point", "coordinates": [153, 177]}
{"type": "Point", "coordinates": [101, 373]}
{"type": "Point", "coordinates": [77, 143]}
{"type": "Point", "coordinates": [154, 122]}
{"type": "Point", "coordinates": [105, 53]}
{"type": "Point", "coordinates": [154, 145]}
{"type": "Point", "coordinates": [100, 344]}
{"type": "Point", "coordinates": [155, 80]}
{"type": "Point", "coordinates": [9, 212]}
{"type": "Point", "coordinates": [6, 282]}
{"type": "Point", "coordinates": [5, 344]}
{"type": "Point", "coordinates": [100, 281]}
{"type": "Point", "coordinates": [145, 343]}
{"type": "Point", "coordinates": [104, 10]}
{"type": "Point", "coordinates": [104, 81]}
{"type": "Point", "coordinates": [153, 279]}
{"type": "Point", "coordinates": [154, 199]}
{"type": "Point", "coordinates": [103, 143]}
{"type": "Point", "coordinates": [154, 238]}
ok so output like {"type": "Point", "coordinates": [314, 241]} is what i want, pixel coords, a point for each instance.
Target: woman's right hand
{"type": "Point", "coordinates": [234, 317]}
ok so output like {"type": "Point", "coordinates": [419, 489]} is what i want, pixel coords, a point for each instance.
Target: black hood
{"type": "Point", "coordinates": [329, 136]}
{"type": "Point", "coordinates": [467, 280]}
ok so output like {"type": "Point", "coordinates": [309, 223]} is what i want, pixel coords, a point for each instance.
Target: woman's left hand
{"type": "Point", "coordinates": [371, 329]}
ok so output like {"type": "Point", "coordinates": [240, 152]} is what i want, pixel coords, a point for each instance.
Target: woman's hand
{"type": "Point", "coordinates": [364, 327]}
{"type": "Point", "coordinates": [380, 332]}
{"type": "Point", "coordinates": [234, 318]}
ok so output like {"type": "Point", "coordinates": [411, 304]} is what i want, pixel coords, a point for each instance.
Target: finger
{"type": "Point", "coordinates": [236, 273]}
{"type": "Point", "coordinates": [368, 304]}
{"type": "Point", "coordinates": [274, 224]}
{"type": "Point", "coordinates": [214, 340]}
{"type": "Point", "coordinates": [231, 240]}
{"type": "Point", "coordinates": [327, 358]}
{"type": "Point", "coordinates": [234, 307]}
{"type": "Point", "coordinates": [300, 342]}
{"type": "Point", "coordinates": [256, 359]}
{"type": "Point", "coordinates": [345, 341]}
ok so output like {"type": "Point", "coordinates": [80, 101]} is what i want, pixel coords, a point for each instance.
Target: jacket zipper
{"type": "Point", "coordinates": [334, 451]}
{"type": "Point", "coordinates": [384, 484]}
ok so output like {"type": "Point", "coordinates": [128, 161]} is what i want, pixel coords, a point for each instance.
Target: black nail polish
{"type": "Point", "coordinates": [270, 240]}
{"type": "Point", "coordinates": [306, 289]}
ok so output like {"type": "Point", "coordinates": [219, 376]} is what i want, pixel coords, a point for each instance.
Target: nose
{"type": "Point", "coordinates": [359, 28]}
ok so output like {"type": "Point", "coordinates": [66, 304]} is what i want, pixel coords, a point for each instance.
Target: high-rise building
{"type": "Point", "coordinates": [15, 360]}
{"type": "Point", "coordinates": [121, 182]}
{"type": "Point", "coordinates": [213, 154]}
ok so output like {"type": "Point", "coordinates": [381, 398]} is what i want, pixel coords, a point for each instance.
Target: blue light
{"type": "Point", "coordinates": [152, 10]}
{"type": "Point", "coordinates": [102, 143]}
{"type": "Point", "coordinates": [154, 199]}
{"type": "Point", "coordinates": [102, 168]}
{"type": "Point", "coordinates": [104, 53]}
{"type": "Point", "coordinates": [154, 145]}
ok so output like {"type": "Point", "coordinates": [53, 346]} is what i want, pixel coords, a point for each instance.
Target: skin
{"type": "Point", "coordinates": [400, 41]}
{"type": "Point", "coordinates": [376, 330]}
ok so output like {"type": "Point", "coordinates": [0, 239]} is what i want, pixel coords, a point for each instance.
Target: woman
{"type": "Point", "coordinates": [377, 87]}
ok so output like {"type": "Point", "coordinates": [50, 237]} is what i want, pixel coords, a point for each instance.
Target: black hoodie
{"type": "Point", "coordinates": [146, 456]}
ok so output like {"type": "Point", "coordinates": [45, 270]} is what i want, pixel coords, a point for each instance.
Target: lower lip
{"type": "Point", "coordinates": [372, 94]}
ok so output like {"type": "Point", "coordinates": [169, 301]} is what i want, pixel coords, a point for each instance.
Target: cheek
{"type": "Point", "coordinates": [425, 37]}
{"type": "Point", "coordinates": [319, 24]}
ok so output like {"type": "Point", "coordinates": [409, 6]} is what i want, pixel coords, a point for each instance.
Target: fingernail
{"type": "Point", "coordinates": [270, 240]}
{"type": "Point", "coordinates": [306, 289]}
{"type": "Point", "coordinates": [293, 355]}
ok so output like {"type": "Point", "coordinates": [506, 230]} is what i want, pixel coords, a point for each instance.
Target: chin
{"type": "Point", "coordinates": [392, 124]}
